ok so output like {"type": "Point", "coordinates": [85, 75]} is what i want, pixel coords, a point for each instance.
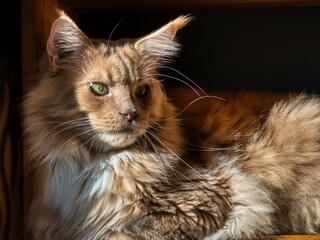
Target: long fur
{"type": "Point", "coordinates": [128, 164]}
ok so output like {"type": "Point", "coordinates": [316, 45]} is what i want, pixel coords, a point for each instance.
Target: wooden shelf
{"type": "Point", "coordinates": [103, 5]}
{"type": "Point", "coordinates": [296, 237]}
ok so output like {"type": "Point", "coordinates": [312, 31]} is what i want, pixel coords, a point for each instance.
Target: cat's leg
{"type": "Point", "coordinates": [252, 211]}
{"type": "Point", "coordinates": [250, 216]}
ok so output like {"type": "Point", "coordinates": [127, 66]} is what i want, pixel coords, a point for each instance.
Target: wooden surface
{"type": "Point", "coordinates": [36, 19]}
{"type": "Point", "coordinates": [297, 237]}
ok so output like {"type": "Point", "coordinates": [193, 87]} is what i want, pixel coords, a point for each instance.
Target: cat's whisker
{"type": "Point", "coordinates": [177, 79]}
{"type": "Point", "coordinates": [59, 123]}
{"type": "Point", "coordinates": [55, 130]}
{"type": "Point", "coordinates": [210, 149]}
{"type": "Point", "coordinates": [204, 148]}
{"type": "Point", "coordinates": [191, 103]}
{"type": "Point", "coordinates": [93, 141]}
{"type": "Point", "coordinates": [113, 30]}
{"type": "Point", "coordinates": [156, 67]}
{"type": "Point", "coordinates": [160, 128]}
{"type": "Point", "coordinates": [189, 79]}
{"type": "Point", "coordinates": [174, 171]}
{"type": "Point", "coordinates": [199, 148]}
{"type": "Point", "coordinates": [158, 154]}
{"type": "Point", "coordinates": [171, 151]}
{"type": "Point", "coordinates": [74, 137]}
{"type": "Point", "coordinates": [81, 134]}
{"type": "Point", "coordinates": [36, 148]}
{"type": "Point", "coordinates": [145, 142]}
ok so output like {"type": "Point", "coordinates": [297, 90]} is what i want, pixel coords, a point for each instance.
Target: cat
{"type": "Point", "coordinates": [112, 154]}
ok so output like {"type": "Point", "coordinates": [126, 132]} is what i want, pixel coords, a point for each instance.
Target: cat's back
{"type": "Point", "coordinates": [221, 118]}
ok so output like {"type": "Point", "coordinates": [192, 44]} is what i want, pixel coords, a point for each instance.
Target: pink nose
{"type": "Point", "coordinates": [130, 114]}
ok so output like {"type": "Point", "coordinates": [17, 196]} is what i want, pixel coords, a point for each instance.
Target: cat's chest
{"type": "Point", "coordinates": [99, 190]}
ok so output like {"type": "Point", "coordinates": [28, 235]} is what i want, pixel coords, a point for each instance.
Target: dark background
{"type": "Point", "coordinates": [274, 49]}
{"type": "Point", "coordinates": [11, 194]}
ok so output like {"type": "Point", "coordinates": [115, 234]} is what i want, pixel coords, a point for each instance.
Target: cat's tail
{"type": "Point", "coordinates": [285, 156]}
{"type": "Point", "coordinates": [292, 127]}
{"type": "Point", "coordinates": [276, 180]}
{"type": "Point", "coordinates": [289, 139]}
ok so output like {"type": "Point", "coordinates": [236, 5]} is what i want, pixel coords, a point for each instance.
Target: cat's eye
{"type": "Point", "coordinates": [98, 89]}
{"type": "Point", "coordinates": [142, 91]}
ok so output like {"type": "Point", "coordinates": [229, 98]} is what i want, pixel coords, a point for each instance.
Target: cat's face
{"type": "Point", "coordinates": [119, 93]}
{"type": "Point", "coordinates": [107, 89]}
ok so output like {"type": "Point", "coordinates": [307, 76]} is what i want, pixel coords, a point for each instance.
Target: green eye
{"type": "Point", "coordinates": [142, 91]}
{"type": "Point", "coordinates": [98, 89]}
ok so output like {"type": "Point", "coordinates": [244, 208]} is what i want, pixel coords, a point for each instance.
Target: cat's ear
{"type": "Point", "coordinates": [65, 40]}
{"type": "Point", "coordinates": [161, 44]}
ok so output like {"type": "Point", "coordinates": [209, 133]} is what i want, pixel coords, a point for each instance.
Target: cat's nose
{"type": "Point", "coordinates": [130, 115]}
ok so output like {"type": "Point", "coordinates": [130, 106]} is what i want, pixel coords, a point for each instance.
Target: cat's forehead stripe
{"type": "Point", "coordinates": [107, 50]}
{"type": "Point", "coordinates": [125, 66]}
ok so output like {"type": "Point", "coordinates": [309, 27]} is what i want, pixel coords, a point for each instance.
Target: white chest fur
{"type": "Point", "coordinates": [102, 191]}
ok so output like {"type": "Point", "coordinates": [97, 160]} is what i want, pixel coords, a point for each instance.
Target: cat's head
{"type": "Point", "coordinates": [99, 91]}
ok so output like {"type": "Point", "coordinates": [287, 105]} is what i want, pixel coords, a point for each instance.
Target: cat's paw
{"type": "Point", "coordinates": [121, 236]}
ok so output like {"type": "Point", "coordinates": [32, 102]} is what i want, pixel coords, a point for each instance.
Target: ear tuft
{"type": "Point", "coordinates": [161, 44]}
{"type": "Point", "coordinates": [65, 40]}
{"type": "Point", "coordinates": [180, 22]}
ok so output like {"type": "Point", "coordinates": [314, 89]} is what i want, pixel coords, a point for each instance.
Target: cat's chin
{"type": "Point", "coordinates": [118, 140]}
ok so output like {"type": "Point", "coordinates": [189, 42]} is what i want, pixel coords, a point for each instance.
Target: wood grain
{"type": "Point", "coordinates": [296, 237]}
{"type": "Point", "coordinates": [102, 5]}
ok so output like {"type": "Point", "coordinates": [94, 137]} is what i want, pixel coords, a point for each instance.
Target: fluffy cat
{"type": "Point", "coordinates": [111, 157]}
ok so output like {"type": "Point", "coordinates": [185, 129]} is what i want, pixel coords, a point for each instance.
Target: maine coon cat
{"type": "Point", "coordinates": [113, 157]}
